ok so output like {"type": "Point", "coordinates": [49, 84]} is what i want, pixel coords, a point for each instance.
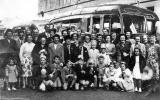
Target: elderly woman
{"type": "Point", "coordinates": [26, 59]}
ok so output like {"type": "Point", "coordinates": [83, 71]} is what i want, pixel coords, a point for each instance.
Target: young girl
{"type": "Point", "coordinates": [11, 74]}
{"type": "Point", "coordinates": [137, 65]}
{"type": "Point", "coordinates": [56, 72]}
{"type": "Point", "coordinates": [103, 53]}
{"type": "Point", "coordinates": [93, 52]}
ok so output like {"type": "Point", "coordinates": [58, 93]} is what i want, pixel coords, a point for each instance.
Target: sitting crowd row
{"type": "Point", "coordinates": [81, 61]}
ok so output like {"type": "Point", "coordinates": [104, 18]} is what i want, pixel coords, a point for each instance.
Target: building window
{"type": "Point", "coordinates": [151, 8]}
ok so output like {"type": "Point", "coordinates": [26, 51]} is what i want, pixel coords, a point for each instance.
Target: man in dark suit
{"type": "Point", "coordinates": [46, 34]}
{"type": "Point", "coordinates": [8, 48]}
{"type": "Point", "coordinates": [123, 50]}
{"type": "Point", "coordinates": [70, 50]}
{"type": "Point", "coordinates": [82, 52]}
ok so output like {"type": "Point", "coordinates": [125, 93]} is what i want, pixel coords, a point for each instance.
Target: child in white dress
{"type": "Point", "coordinates": [93, 52]}
{"type": "Point", "coordinates": [11, 74]}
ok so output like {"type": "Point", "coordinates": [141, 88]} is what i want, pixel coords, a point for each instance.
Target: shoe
{"type": "Point", "coordinates": [13, 88]}
{"type": "Point", "coordinates": [136, 89]}
{"type": "Point", "coordinates": [140, 90]}
{"type": "Point", "coordinates": [82, 88]}
{"type": "Point", "coordinates": [9, 89]}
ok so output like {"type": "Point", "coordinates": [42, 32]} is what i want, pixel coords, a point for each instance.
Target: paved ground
{"type": "Point", "coordinates": [28, 94]}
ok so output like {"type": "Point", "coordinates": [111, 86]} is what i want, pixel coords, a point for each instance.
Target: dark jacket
{"type": "Point", "coordinates": [85, 53]}
{"type": "Point", "coordinates": [73, 53]}
{"type": "Point", "coordinates": [35, 53]}
{"type": "Point", "coordinates": [142, 63]}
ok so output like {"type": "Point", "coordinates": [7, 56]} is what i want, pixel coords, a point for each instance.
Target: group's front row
{"type": "Point", "coordinates": [80, 75]}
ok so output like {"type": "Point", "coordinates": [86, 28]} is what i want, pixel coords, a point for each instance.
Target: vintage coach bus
{"type": "Point", "coordinates": [117, 17]}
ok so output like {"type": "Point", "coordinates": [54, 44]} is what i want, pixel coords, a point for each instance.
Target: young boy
{"type": "Point", "coordinates": [109, 75]}
{"type": "Point", "coordinates": [81, 71]}
{"type": "Point", "coordinates": [92, 74]}
{"type": "Point", "coordinates": [101, 67]}
{"type": "Point", "coordinates": [56, 72]}
{"type": "Point", "coordinates": [69, 76]}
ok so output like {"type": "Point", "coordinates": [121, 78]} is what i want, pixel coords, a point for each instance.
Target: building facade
{"type": "Point", "coordinates": [50, 7]}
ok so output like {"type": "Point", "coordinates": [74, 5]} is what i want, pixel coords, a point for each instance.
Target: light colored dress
{"type": "Point", "coordinates": [12, 73]}
{"type": "Point", "coordinates": [110, 50]}
{"type": "Point", "coordinates": [94, 54]}
{"type": "Point", "coordinates": [136, 69]}
{"type": "Point", "coordinates": [26, 58]}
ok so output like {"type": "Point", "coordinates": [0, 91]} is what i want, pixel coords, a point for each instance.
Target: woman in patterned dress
{"type": "Point", "coordinates": [26, 59]}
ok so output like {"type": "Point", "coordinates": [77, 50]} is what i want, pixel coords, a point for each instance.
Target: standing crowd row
{"type": "Point", "coordinates": [74, 60]}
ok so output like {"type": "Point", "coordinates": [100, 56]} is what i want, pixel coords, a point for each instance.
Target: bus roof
{"type": "Point", "coordinates": [104, 9]}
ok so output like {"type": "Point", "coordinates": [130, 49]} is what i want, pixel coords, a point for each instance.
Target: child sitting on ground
{"type": "Point", "coordinates": [42, 74]}
{"type": "Point", "coordinates": [93, 73]}
{"type": "Point", "coordinates": [11, 74]}
{"type": "Point", "coordinates": [101, 67]}
{"type": "Point", "coordinates": [81, 70]}
{"type": "Point", "coordinates": [56, 72]}
{"type": "Point", "coordinates": [69, 76]}
{"type": "Point", "coordinates": [109, 75]}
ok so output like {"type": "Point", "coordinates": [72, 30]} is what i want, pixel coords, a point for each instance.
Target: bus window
{"type": "Point", "coordinates": [106, 24]}
{"type": "Point", "coordinates": [115, 24]}
{"type": "Point", "coordinates": [96, 24]}
{"type": "Point", "coordinates": [134, 23]}
{"type": "Point", "coordinates": [150, 27]}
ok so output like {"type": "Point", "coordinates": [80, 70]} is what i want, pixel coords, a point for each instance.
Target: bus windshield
{"type": "Point", "coordinates": [134, 23]}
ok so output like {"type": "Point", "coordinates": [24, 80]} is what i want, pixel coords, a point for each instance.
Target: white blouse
{"type": "Point", "coordinates": [26, 50]}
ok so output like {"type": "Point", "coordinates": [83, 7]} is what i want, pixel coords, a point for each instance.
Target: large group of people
{"type": "Point", "coordinates": [78, 61]}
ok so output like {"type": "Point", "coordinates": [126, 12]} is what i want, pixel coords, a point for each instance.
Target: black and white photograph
{"type": "Point", "coordinates": [79, 49]}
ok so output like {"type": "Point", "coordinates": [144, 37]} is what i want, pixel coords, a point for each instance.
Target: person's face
{"type": "Point", "coordinates": [11, 62]}
{"type": "Point", "coordinates": [82, 34]}
{"type": "Point", "coordinates": [114, 36]}
{"type": "Point", "coordinates": [152, 40]}
{"type": "Point", "coordinates": [43, 61]}
{"type": "Point", "coordinates": [111, 67]}
{"type": "Point", "coordinates": [108, 39]}
{"type": "Point", "coordinates": [65, 33]}
{"type": "Point", "coordinates": [101, 60]}
{"type": "Point", "coordinates": [21, 35]}
{"type": "Point", "coordinates": [78, 32]}
{"type": "Point", "coordinates": [128, 35]}
{"type": "Point", "coordinates": [43, 41]}
{"type": "Point", "coordinates": [105, 32]}
{"type": "Point", "coordinates": [94, 45]}
{"type": "Point", "coordinates": [123, 67]}
{"type": "Point", "coordinates": [99, 38]}
{"type": "Point", "coordinates": [93, 36]}
{"type": "Point", "coordinates": [122, 39]}
{"type": "Point", "coordinates": [15, 34]}
{"type": "Point", "coordinates": [136, 52]}
{"type": "Point", "coordinates": [57, 60]}
{"type": "Point", "coordinates": [68, 41]}
{"type": "Point", "coordinates": [145, 39]}
{"type": "Point", "coordinates": [56, 40]}
{"type": "Point", "coordinates": [9, 35]}
{"type": "Point", "coordinates": [29, 39]}
{"type": "Point", "coordinates": [87, 39]}
{"type": "Point", "coordinates": [91, 65]}
{"type": "Point", "coordinates": [137, 39]}
{"type": "Point", "coordinates": [80, 62]}
{"type": "Point", "coordinates": [75, 37]}
{"type": "Point", "coordinates": [103, 50]}
{"type": "Point", "coordinates": [52, 33]}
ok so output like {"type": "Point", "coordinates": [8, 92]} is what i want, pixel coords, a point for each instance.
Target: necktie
{"type": "Point", "coordinates": [69, 49]}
